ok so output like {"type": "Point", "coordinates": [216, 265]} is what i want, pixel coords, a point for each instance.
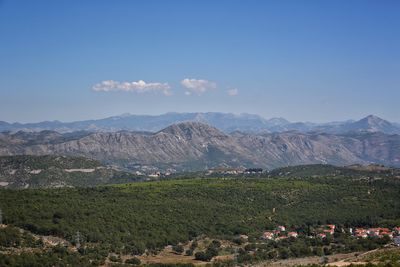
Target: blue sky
{"type": "Point", "coordinates": [302, 60]}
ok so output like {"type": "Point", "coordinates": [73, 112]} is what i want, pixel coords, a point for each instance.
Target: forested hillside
{"type": "Point", "coordinates": [137, 216]}
{"type": "Point", "coordinates": [58, 171]}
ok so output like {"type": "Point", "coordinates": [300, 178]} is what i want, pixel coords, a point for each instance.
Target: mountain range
{"type": "Point", "coordinates": [226, 122]}
{"type": "Point", "coordinates": [198, 146]}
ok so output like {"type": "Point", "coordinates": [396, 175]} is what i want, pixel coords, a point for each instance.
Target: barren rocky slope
{"type": "Point", "coordinates": [193, 145]}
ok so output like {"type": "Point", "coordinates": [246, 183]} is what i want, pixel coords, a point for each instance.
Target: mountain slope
{"type": "Point", "coordinates": [195, 146]}
{"type": "Point", "coordinates": [186, 145]}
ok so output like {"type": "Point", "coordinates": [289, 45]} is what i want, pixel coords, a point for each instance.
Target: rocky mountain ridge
{"type": "Point", "coordinates": [196, 146]}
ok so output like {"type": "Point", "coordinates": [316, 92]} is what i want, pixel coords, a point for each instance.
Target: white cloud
{"type": "Point", "coordinates": [197, 86]}
{"type": "Point", "coordinates": [233, 92]}
{"type": "Point", "coordinates": [139, 87]}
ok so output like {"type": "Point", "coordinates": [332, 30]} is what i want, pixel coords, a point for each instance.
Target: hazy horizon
{"type": "Point", "coordinates": [237, 114]}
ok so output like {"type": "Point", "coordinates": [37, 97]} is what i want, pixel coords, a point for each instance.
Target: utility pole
{"type": "Point", "coordinates": [77, 240]}
{"type": "Point", "coordinates": [235, 260]}
{"type": "Point", "coordinates": [1, 217]}
{"type": "Point", "coordinates": [324, 260]}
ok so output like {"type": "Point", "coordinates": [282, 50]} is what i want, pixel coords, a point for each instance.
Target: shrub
{"type": "Point", "coordinates": [134, 261]}
{"type": "Point", "coordinates": [202, 256]}
{"type": "Point", "coordinates": [178, 249]}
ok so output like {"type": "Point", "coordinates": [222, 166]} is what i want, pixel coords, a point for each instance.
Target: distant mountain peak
{"type": "Point", "coordinates": [124, 115]}
{"type": "Point", "coordinates": [372, 116]}
{"type": "Point", "coordinates": [188, 125]}
{"type": "Point", "coordinates": [373, 123]}
{"type": "Point", "coordinates": [373, 120]}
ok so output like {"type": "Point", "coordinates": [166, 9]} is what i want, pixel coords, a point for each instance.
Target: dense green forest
{"type": "Point", "coordinates": [146, 216]}
{"type": "Point", "coordinates": [58, 256]}
{"type": "Point", "coordinates": [133, 217]}
{"type": "Point", "coordinates": [303, 172]}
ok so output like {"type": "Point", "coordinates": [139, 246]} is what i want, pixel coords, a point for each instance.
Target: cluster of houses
{"type": "Point", "coordinates": [329, 229]}
{"type": "Point", "coordinates": [159, 174]}
{"type": "Point", "coordinates": [234, 171]}
{"type": "Point", "coordinates": [375, 232]}
{"type": "Point", "coordinates": [279, 233]}
{"type": "Point", "coordinates": [225, 170]}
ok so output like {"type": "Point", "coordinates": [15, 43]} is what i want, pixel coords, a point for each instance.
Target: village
{"type": "Point", "coordinates": [327, 230]}
{"type": "Point", "coordinates": [234, 171]}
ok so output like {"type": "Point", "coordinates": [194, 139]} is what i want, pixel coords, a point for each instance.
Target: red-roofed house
{"type": "Point", "coordinates": [329, 231]}
{"type": "Point", "coordinates": [281, 228]}
{"type": "Point", "coordinates": [331, 226]}
{"type": "Point", "coordinates": [379, 232]}
{"type": "Point", "coordinates": [293, 234]}
{"type": "Point", "coordinates": [268, 235]}
{"type": "Point", "coordinates": [321, 235]}
{"type": "Point", "coordinates": [361, 232]}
